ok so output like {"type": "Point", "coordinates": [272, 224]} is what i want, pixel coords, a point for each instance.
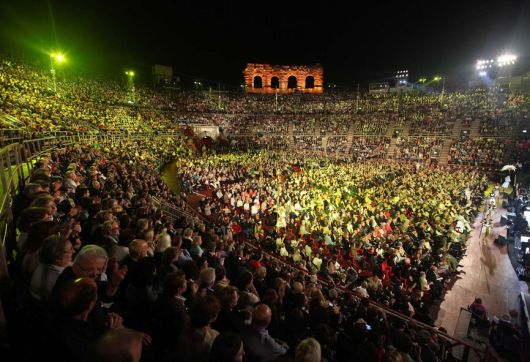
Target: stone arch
{"type": "Point", "coordinates": [275, 82]}
{"type": "Point", "coordinates": [298, 83]}
{"type": "Point", "coordinates": [292, 82]}
{"type": "Point", "coordinates": [309, 82]}
{"type": "Point", "coordinates": [258, 82]}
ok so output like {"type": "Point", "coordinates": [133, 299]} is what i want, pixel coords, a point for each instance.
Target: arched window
{"type": "Point", "coordinates": [257, 82]}
{"type": "Point", "coordinates": [291, 82]}
{"type": "Point", "coordinates": [275, 82]}
{"type": "Point", "coordinates": [310, 82]}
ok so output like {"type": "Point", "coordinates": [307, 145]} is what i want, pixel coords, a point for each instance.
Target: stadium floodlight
{"type": "Point", "coordinates": [402, 74]}
{"type": "Point", "coordinates": [482, 73]}
{"type": "Point", "coordinates": [422, 80]}
{"type": "Point", "coordinates": [437, 78]}
{"type": "Point", "coordinates": [484, 63]}
{"type": "Point", "coordinates": [129, 73]}
{"type": "Point", "coordinates": [506, 59]}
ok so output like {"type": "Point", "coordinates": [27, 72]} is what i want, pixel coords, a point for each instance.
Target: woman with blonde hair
{"type": "Point", "coordinates": [308, 350]}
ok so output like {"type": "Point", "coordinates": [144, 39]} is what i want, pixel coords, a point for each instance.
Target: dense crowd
{"type": "Point", "coordinates": [478, 151]}
{"type": "Point", "coordinates": [285, 248]}
{"type": "Point", "coordinates": [417, 148]}
{"type": "Point", "coordinates": [104, 271]}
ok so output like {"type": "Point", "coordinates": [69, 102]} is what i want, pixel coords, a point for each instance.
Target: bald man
{"type": "Point", "coordinates": [118, 345]}
{"type": "Point", "coordinates": [259, 345]}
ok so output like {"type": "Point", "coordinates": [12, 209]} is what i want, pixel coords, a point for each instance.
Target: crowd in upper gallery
{"type": "Point", "coordinates": [335, 123]}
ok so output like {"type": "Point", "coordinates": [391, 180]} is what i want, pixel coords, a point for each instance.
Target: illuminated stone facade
{"type": "Point", "coordinates": [265, 78]}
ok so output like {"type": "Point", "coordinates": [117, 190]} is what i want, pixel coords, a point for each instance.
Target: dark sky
{"type": "Point", "coordinates": [214, 40]}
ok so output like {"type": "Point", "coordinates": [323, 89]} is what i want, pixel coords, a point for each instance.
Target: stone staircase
{"type": "Point", "coordinates": [444, 153]}
{"type": "Point", "coordinates": [406, 129]}
{"type": "Point", "coordinates": [457, 128]}
{"type": "Point", "coordinates": [391, 148]}
{"type": "Point", "coordinates": [390, 131]}
{"type": "Point", "coordinates": [474, 130]}
{"type": "Point", "coordinates": [290, 136]}
{"type": "Point", "coordinates": [448, 141]}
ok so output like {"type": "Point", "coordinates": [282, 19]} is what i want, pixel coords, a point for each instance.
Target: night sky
{"type": "Point", "coordinates": [214, 41]}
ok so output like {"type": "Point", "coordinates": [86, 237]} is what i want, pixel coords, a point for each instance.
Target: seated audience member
{"type": "Point", "coordinates": [308, 350]}
{"type": "Point", "coordinates": [227, 347]}
{"type": "Point", "coordinates": [228, 319]}
{"type": "Point", "coordinates": [259, 345]}
{"type": "Point", "coordinates": [77, 299]}
{"type": "Point", "coordinates": [118, 345]}
{"type": "Point", "coordinates": [198, 336]}
{"type": "Point", "coordinates": [169, 315]}
{"type": "Point", "coordinates": [91, 262]}
{"type": "Point", "coordinates": [54, 255]}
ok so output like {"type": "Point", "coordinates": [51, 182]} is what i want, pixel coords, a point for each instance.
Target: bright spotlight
{"type": "Point", "coordinates": [58, 57]}
{"type": "Point", "coordinates": [437, 78]}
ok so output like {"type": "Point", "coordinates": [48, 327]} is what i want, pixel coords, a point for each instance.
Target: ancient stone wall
{"type": "Point", "coordinates": [283, 78]}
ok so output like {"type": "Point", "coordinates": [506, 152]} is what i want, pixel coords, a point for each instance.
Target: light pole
{"type": "Point", "coordinates": [130, 85]}
{"type": "Point", "coordinates": [357, 110]}
{"type": "Point", "coordinates": [55, 58]}
{"type": "Point", "coordinates": [437, 79]}
{"type": "Point", "coordinates": [443, 88]}
{"type": "Point", "coordinates": [219, 92]}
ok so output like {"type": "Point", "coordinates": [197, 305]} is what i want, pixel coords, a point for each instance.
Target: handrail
{"type": "Point", "coordinates": [525, 327]}
{"type": "Point", "coordinates": [526, 311]}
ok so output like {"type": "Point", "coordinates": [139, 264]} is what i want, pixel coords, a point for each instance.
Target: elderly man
{"type": "Point", "coordinates": [91, 263]}
{"type": "Point", "coordinates": [259, 345]}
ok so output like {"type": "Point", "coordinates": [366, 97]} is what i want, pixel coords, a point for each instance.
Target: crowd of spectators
{"type": "Point", "coordinates": [417, 148]}
{"type": "Point", "coordinates": [106, 273]}
{"type": "Point", "coordinates": [29, 104]}
{"type": "Point", "coordinates": [284, 250]}
{"type": "Point", "coordinates": [337, 144]}
{"type": "Point", "coordinates": [309, 143]}
{"type": "Point", "coordinates": [364, 148]}
{"type": "Point", "coordinates": [479, 151]}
